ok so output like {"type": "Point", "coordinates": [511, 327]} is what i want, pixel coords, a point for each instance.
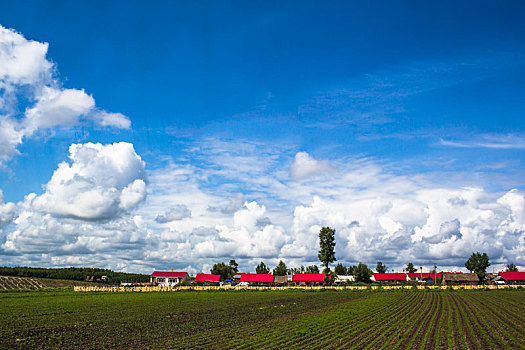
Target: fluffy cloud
{"type": "Point", "coordinates": [22, 61]}
{"type": "Point", "coordinates": [101, 182]}
{"type": "Point", "coordinates": [178, 212]}
{"type": "Point", "coordinates": [27, 75]}
{"type": "Point", "coordinates": [47, 240]}
{"type": "Point", "coordinates": [7, 212]}
{"type": "Point", "coordinates": [57, 107]}
{"type": "Point", "coordinates": [377, 216]}
{"type": "Point", "coordinates": [305, 166]}
{"type": "Point", "coordinates": [445, 234]}
{"type": "Point", "coordinates": [447, 230]}
{"type": "Point", "coordinates": [84, 216]}
{"type": "Point", "coordinates": [240, 237]}
{"type": "Point", "coordinates": [116, 120]}
{"type": "Point", "coordinates": [245, 239]}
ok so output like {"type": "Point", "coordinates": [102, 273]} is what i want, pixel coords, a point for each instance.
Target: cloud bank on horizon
{"type": "Point", "coordinates": [223, 198]}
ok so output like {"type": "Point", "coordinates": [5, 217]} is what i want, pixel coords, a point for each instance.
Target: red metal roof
{"type": "Point", "coordinates": [513, 276]}
{"type": "Point", "coordinates": [308, 277]}
{"type": "Point", "coordinates": [204, 277]}
{"type": "Point", "coordinates": [168, 274]}
{"type": "Point", "coordinates": [390, 276]}
{"type": "Point", "coordinates": [256, 277]}
{"type": "Point", "coordinates": [425, 274]}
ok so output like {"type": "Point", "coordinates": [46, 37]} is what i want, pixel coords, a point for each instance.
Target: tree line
{"type": "Point", "coordinates": [73, 273]}
{"type": "Point", "coordinates": [228, 271]}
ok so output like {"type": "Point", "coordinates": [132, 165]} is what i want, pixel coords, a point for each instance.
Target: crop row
{"type": "Point", "coordinates": [423, 320]}
{"type": "Point", "coordinates": [272, 320]}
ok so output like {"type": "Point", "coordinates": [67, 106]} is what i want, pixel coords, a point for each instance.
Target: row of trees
{"type": "Point", "coordinates": [227, 271]}
{"type": "Point", "coordinates": [73, 273]}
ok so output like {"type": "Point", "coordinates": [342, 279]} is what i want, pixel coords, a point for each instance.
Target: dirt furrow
{"type": "Point", "coordinates": [416, 340]}
{"type": "Point", "coordinates": [434, 331]}
{"type": "Point", "coordinates": [402, 312]}
{"type": "Point", "coordinates": [493, 325]}
{"type": "Point", "coordinates": [486, 337]}
{"type": "Point", "coordinates": [464, 326]}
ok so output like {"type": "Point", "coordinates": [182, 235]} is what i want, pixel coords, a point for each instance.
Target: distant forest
{"type": "Point", "coordinates": [73, 273]}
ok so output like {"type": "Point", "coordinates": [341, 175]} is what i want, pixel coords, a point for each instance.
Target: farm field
{"type": "Point", "coordinates": [264, 319]}
{"type": "Point", "coordinates": [9, 282]}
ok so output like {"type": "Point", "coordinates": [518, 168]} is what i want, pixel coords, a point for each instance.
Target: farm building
{"type": "Point", "coordinates": [344, 279]}
{"type": "Point", "coordinates": [257, 279]}
{"type": "Point", "coordinates": [207, 278]}
{"type": "Point", "coordinates": [168, 278]}
{"type": "Point", "coordinates": [451, 278]}
{"type": "Point", "coordinates": [513, 277]}
{"type": "Point", "coordinates": [280, 280]}
{"type": "Point", "coordinates": [237, 276]}
{"type": "Point", "coordinates": [424, 276]}
{"type": "Point", "coordinates": [308, 278]}
{"type": "Point", "coordinates": [491, 276]}
{"type": "Point", "coordinates": [389, 277]}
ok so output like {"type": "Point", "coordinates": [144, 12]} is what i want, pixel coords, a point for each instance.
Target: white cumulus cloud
{"type": "Point", "coordinates": [100, 182]}
{"type": "Point", "coordinates": [117, 120]}
{"type": "Point", "coordinates": [56, 107]}
{"type": "Point", "coordinates": [27, 81]}
{"type": "Point", "coordinates": [7, 212]}
{"type": "Point", "coordinates": [245, 239]}
{"type": "Point", "coordinates": [305, 166]}
{"type": "Point", "coordinates": [22, 61]}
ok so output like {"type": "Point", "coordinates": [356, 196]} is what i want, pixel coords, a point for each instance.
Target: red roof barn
{"type": "Point", "coordinates": [256, 278]}
{"type": "Point", "coordinates": [204, 277]}
{"type": "Point", "coordinates": [513, 277]}
{"type": "Point", "coordinates": [389, 277]}
{"type": "Point", "coordinates": [308, 277]}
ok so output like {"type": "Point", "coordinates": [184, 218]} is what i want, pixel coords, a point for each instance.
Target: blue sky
{"type": "Point", "coordinates": [274, 104]}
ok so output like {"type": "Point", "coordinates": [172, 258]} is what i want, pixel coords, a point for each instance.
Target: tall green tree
{"type": "Point", "coordinates": [362, 273]}
{"type": "Point", "coordinates": [380, 267]}
{"type": "Point", "coordinates": [292, 270]}
{"type": "Point", "coordinates": [280, 269]}
{"type": "Point", "coordinates": [478, 264]}
{"type": "Point", "coordinates": [340, 270]}
{"type": "Point", "coordinates": [511, 268]}
{"type": "Point", "coordinates": [226, 271]}
{"type": "Point", "coordinates": [262, 268]}
{"type": "Point", "coordinates": [410, 268]}
{"type": "Point", "coordinates": [235, 267]}
{"type": "Point", "coordinates": [327, 249]}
